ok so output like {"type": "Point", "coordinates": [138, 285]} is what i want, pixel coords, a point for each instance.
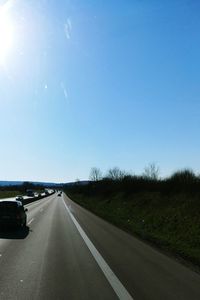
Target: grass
{"type": "Point", "coordinates": [172, 222]}
{"type": "Point", "coordinates": [9, 194]}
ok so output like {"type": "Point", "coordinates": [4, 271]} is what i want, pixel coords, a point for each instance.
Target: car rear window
{"type": "Point", "coordinates": [7, 207]}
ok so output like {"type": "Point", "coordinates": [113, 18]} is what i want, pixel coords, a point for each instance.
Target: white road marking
{"type": "Point", "coordinates": [117, 286]}
{"type": "Point", "coordinates": [30, 221]}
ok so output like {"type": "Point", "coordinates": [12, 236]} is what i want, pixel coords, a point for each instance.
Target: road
{"type": "Point", "coordinates": [69, 253]}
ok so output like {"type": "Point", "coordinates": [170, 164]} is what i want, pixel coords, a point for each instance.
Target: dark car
{"type": "Point", "coordinates": [30, 193]}
{"type": "Point", "coordinates": [19, 198]}
{"type": "Point", "coordinates": [12, 213]}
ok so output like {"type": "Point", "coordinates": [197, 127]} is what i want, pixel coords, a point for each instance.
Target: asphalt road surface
{"type": "Point", "coordinates": [69, 253]}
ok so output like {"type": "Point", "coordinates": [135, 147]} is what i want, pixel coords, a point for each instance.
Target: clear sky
{"type": "Point", "coordinates": [88, 83]}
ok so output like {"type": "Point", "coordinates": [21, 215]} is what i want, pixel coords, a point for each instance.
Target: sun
{"type": "Point", "coordinates": [6, 34]}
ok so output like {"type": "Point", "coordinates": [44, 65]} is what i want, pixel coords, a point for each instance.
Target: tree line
{"type": "Point", "coordinates": [117, 180]}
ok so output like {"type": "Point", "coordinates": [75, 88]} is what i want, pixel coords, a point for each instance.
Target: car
{"type": "Point", "coordinates": [30, 193]}
{"type": "Point", "coordinates": [12, 213]}
{"type": "Point", "coordinates": [19, 198]}
{"type": "Point", "coordinates": [59, 194]}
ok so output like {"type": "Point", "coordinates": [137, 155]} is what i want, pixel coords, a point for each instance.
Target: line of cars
{"type": "Point", "coordinates": [13, 212]}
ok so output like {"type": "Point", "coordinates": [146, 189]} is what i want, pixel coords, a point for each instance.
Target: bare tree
{"type": "Point", "coordinates": [152, 171]}
{"type": "Point", "coordinates": [115, 174]}
{"type": "Point", "coordinates": [184, 176]}
{"type": "Point", "coordinates": [95, 174]}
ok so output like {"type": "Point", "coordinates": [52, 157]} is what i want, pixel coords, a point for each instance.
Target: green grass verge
{"type": "Point", "coordinates": [9, 194]}
{"type": "Point", "coordinates": [172, 223]}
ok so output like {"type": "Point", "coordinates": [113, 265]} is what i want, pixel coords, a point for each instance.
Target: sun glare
{"type": "Point", "coordinates": [6, 34]}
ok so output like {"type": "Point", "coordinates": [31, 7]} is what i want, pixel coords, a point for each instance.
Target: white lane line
{"type": "Point", "coordinates": [30, 221]}
{"type": "Point", "coordinates": [117, 286]}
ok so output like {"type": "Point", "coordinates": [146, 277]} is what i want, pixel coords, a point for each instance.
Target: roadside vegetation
{"type": "Point", "coordinates": [166, 212]}
{"type": "Point", "coordinates": [8, 194]}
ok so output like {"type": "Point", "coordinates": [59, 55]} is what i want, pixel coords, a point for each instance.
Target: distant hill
{"type": "Point", "coordinates": [81, 182]}
{"type": "Point", "coordinates": [13, 183]}
{"type": "Point", "coordinates": [52, 184]}
{"type": "Point", "coordinates": [10, 183]}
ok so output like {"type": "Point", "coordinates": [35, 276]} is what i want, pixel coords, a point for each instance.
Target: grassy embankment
{"type": "Point", "coordinates": [8, 194]}
{"type": "Point", "coordinates": [166, 213]}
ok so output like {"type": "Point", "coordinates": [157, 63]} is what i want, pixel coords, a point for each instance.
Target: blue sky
{"type": "Point", "coordinates": [99, 83]}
